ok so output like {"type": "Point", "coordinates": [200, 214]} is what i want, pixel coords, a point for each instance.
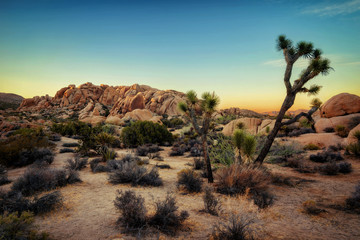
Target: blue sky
{"type": "Point", "coordinates": [226, 46]}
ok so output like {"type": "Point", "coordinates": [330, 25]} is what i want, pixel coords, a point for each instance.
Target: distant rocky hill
{"type": "Point", "coordinates": [10, 100]}
{"type": "Point", "coordinates": [91, 101]}
{"type": "Point", "coordinates": [238, 112]}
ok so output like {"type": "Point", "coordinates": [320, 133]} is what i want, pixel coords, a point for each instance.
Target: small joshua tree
{"type": "Point", "coordinates": [316, 66]}
{"type": "Point", "coordinates": [200, 113]}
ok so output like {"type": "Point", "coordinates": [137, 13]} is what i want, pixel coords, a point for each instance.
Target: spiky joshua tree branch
{"type": "Point", "coordinates": [200, 112]}
{"type": "Point", "coordinates": [317, 65]}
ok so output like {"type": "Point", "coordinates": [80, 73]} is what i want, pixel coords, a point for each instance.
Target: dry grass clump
{"type": "Point", "coordinates": [76, 164]}
{"type": "Point", "coordinates": [189, 180]}
{"type": "Point", "coordinates": [353, 202]}
{"type": "Point", "coordinates": [341, 131]}
{"type": "Point", "coordinates": [240, 179]}
{"type": "Point", "coordinates": [310, 207]}
{"type": "Point", "coordinates": [212, 204]}
{"type": "Point", "coordinates": [238, 227]}
{"type": "Point", "coordinates": [134, 213]}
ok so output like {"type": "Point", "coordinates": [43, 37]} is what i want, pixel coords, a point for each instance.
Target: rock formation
{"type": "Point", "coordinates": [98, 101]}
{"type": "Point", "coordinates": [341, 104]}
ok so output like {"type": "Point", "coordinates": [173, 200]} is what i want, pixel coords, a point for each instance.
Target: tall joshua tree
{"type": "Point", "coordinates": [317, 65]}
{"type": "Point", "coordinates": [200, 113]}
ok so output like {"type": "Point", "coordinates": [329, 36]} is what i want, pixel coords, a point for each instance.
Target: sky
{"type": "Point", "coordinates": [226, 46]}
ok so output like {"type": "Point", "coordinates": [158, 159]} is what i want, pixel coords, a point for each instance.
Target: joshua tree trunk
{"type": "Point", "coordinates": [239, 160]}
{"type": "Point", "coordinates": [288, 102]}
{"type": "Point", "coordinates": [207, 159]}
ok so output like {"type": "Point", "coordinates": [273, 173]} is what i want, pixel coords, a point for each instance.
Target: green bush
{"type": "Point", "coordinates": [342, 131]}
{"type": "Point", "coordinates": [354, 148]}
{"type": "Point", "coordinates": [222, 150]}
{"type": "Point", "coordinates": [15, 226]}
{"type": "Point", "coordinates": [174, 122]}
{"type": "Point", "coordinates": [12, 148]}
{"type": "Point", "coordinates": [143, 132]}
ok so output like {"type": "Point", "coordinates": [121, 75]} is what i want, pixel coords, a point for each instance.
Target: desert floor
{"type": "Point", "coordinates": [89, 213]}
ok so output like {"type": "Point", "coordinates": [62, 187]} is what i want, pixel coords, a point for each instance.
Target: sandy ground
{"type": "Point", "coordinates": [89, 212]}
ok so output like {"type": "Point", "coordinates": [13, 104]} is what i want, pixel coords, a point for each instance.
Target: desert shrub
{"type": "Point", "coordinates": [66, 150]}
{"type": "Point", "coordinates": [35, 155]}
{"type": "Point", "coordinates": [262, 199]}
{"type": "Point", "coordinates": [155, 156]}
{"type": "Point", "coordinates": [16, 226]}
{"type": "Point", "coordinates": [42, 179]}
{"type": "Point", "coordinates": [132, 207]}
{"type": "Point", "coordinates": [311, 147]}
{"type": "Point", "coordinates": [131, 172]}
{"type": "Point", "coordinates": [238, 227]}
{"type": "Point", "coordinates": [354, 121]}
{"type": "Point", "coordinates": [71, 128]}
{"type": "Point", "coordinates": [54, 137]}
{"type": "Point", "coordinates": [353, 202]}
{"type": "Point", "coordinates": [326, 156]}
{"type": "Point", "coordinates": [305, 123]}
{"type": "Point", "coordinates": [225, 119]}
{"type": "Point", "coordinates": [105, 139]}
{"type": "Point", "coordinates": [96, 167]}
{"type": "Point", "coordinates": [73, 176]}
{"type": "Point", "coordinates": [300, 131]}
{"type": "Point", "coordinates": [212, 204]}
{"type": "Point", "coordinates": [341, 130]}
{"type": "Point", "coordinates": [70, 144]}
{"type": "Point", "coordinates": [76, 164]}
{"type": "Point", "coordinates": [45, 203]}
{"type": "Point", "coordinates": [15, 202]}
{"type": "Point", "coordinates": [199, 163]}
{"type": "Point", "coordinates": [330, 168]}
{"type": "Point", "coordinates": [107, 154]}
{"type": "Point", "coordinates": [335, 148]}
{"type": "Point", "coordinates": [166, 217]}
{"type": "Point", "coordinates": [163, 166]}
{"type": "Point", "coordinates": [222, 150]}
{"type": "Point", "coordinates": [345, 167]}
{"type": "Point", "coordinates": [354, 148]}
{"type": "Point", "coordinates": [329, 129]}
{"type": "Point", "coordinates": [174, 122]}
{"type": "Point", "coordinates": [189, 180]}
{"type": "Point", "coordinates": [310, 207]}
{"type": "Point", "coordinates": [282, 152]}
{"type": "Point", "coordinates": [3, 176]}
{"type": "Point", "coordinates": [20, 150]}
{"type": "Point", "coordinates": [142, 132]}
{"type": "Point", "coordinates": [144, 150]}
{"type": "Point", "coordinates": [236, 178]}
{"type": "Point", "coordinates": [178, 150]}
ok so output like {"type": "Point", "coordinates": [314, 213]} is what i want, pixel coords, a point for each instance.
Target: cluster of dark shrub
{"type": "Point", "coordinates": [3, 176]}
{"type": "Point", "coordinates": [134, 213]}
{"type": "Point", "coordinates": [128, 170]}
{"type": "Point", "coordinates": [144, 150]}
{"type": "Point", "coordinates": [292, 131]}
{"type": "Point", "coordinates": [14, 201]}
{"type": "Point", "coordinates": [25, 147]}
{"type": "Point", "coordinates": [189, 180]}
{"type": "Point", "coordinates": [76, 164]}
{"type": "Point", "coordinates": [20, 226]}
{"type": "Point", "coordinates": [353, 202]}
{"type": "Point", "coordinates": [199, 163]}
{"type": "Point", "coordinates": [342, 131]}
{"type": "Point", "coordinates": [37, 180]}
{"type": "Point", "coordinates": [280, 153]}
{"type": "Point", "coordinates": [238, 179]}
{"type": "Point", "coordinates": [183, 145]}
{"type": "Point", "coordinates": [310, 207]}
{"type": "Point", "coordinates": [326, 156]}
{"type": "Point", "coordinates": [143, 132]}
{"type": "Point", "coordinates": [175, 122]}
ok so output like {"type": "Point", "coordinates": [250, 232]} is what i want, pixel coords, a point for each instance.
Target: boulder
{"type": "Point", "coordinates": [94, 120]}
{"type": "Point", "coordinates": [351, 138]}
{"type": "Point", "coordinates": [266, 123]}
{"type": "Point", "coordinates": [251, 125]}
{"type": "Point", "coordinates": [141, 115]}
{"type": "Point", "coordinates": [319, 139]}
{"type": "Point", "coordinates": [115, 120]}
{"type": "Point", "coordinates": [341, 104]}
{"type": "Point", "coordinates": [347, 121]}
